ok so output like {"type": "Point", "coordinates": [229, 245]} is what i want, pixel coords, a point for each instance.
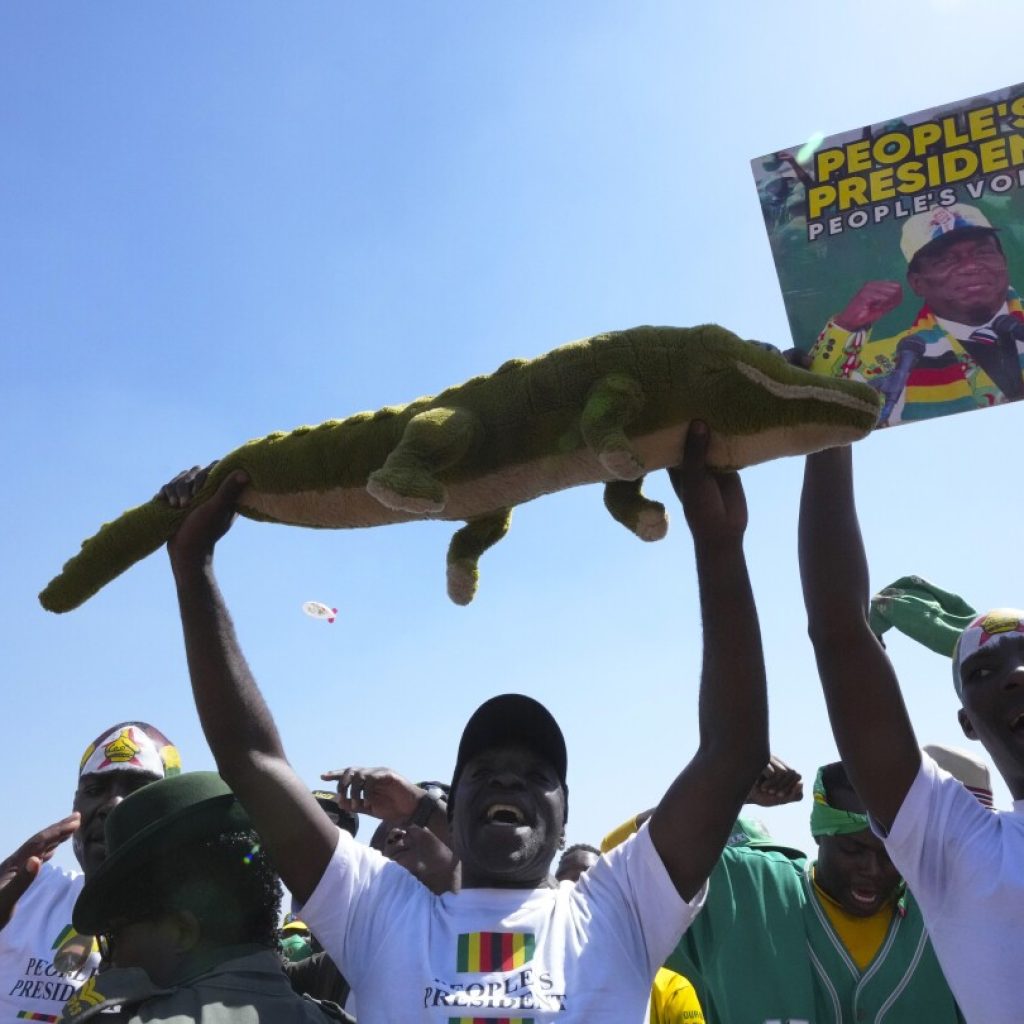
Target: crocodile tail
{"type": "Point", "coordinates": [116, 547]}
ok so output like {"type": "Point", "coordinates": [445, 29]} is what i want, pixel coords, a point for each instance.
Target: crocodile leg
{"type": "Point", "coordinates": [611, 405]}
{"type": "Point", "coordinates": [432, 442]}
{"type": "Point", "coordinates": [467, 545]}
{"type": "Point", "coordinates": [637, 513]}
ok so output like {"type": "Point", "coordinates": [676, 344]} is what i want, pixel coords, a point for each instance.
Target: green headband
{"type": "Point", "coordinates": [827, 820]}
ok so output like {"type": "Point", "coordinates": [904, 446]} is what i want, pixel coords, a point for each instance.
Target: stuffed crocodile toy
{"type": "Point", "coordinates": [608, 409]}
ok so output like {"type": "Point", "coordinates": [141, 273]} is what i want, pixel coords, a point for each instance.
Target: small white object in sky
{"type": "Point", "coordinates": [316, 610]}
{"type": "Point", "coordinates": [808, 148]}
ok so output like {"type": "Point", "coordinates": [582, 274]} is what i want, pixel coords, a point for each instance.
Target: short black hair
{"type": "Point", "coordinates": [227, 881]}
{"type": "Point", "coordinates": [579, 848]}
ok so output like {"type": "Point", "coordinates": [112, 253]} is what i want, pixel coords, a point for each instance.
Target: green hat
{"type": "Point", "coordinates": [151, 822]}
{"type": "Point", "coordinates": [926, 613]}
{"type": "Point", "coordinates": [750, 832]}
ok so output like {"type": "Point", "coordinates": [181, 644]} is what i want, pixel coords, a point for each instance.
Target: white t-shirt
{"type": "Point", "coordinates": [578, 954]}
{"type": "Point", "coordinates": [965, 866]}
{"type": "Point", "coordinates": [30, 984]}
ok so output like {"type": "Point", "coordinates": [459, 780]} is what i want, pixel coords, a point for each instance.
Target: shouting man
{"type": "Point", "coordinates": [511, 943]}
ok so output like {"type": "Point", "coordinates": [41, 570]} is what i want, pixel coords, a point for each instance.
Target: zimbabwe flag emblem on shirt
{"type": "Point", "coordinates": [481, 952]}
{"type": "Point", "coordinates": [490, 1020]}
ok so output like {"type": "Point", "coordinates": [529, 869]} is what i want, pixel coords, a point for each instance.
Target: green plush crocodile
{"type": "Point", "coordinates": [609, 408]}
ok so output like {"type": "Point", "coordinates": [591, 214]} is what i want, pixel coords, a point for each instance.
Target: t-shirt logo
{"type": "Point", "coordinates": [84, 998]}
{"type": "Point", "coordinates": [481, 952]}
{"type": "Point", "coordinates": [72, 950]}
{"type": "Point", "coordinates": [490, 1020]}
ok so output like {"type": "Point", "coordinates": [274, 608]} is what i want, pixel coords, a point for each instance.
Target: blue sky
{"type": "Point", "coordinates": [226, 219]}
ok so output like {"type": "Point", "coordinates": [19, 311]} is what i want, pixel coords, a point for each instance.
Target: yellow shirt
{"type": "Point", "coordinates": [862, 936]}
{"type": "Point", "coordinates": [673, 1000]}
{"type": "Point", "coordinates": [618, 836]}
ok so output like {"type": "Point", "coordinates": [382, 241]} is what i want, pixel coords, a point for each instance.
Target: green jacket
{"type": "Point", "coordinates": [247, 989]}
{"type": "Point", "coordinates": [763, 950]}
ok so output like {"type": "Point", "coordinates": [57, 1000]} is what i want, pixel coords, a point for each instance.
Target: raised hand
{"type": "Point", "coordinates": [379, 792]}
{"type": "Point", "coordinates": [871, 303]}
{"type": "Point", "coordinates": [713, 502]}
{"type": "Point", "coordinates": [19, 870]}
{"type": "Point", "coordinates": [777, 784]}
{"type": "Point", "coordinates": [207, 523]}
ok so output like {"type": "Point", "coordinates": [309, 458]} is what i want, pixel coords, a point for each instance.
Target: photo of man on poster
{"type": "Point", "coordinates": [965, 347]}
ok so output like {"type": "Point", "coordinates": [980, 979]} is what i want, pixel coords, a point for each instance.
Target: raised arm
{"type": "Point", "coordinates": [692, 822]}
{"type": "Point", "coordinates": [235, 718]}
{"type": "Point", "coordinates": [19, 870]}
{"type": "Point", "coordinates": [870, 722]}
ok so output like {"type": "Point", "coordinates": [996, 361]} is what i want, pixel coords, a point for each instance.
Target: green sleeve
{"type": "Point", "coordinates": [717, 917]}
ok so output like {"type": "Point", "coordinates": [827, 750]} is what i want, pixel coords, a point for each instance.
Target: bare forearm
{"type": "Point", "coordinates": [869, 720]}
{"type": "Point", "coordinates": [691, 824]}
{"type": "Point", "coordinates": [232, 712]}
{"type": "Point", "coordinates": [243, 738]}
{"type": "Point", "coordinates": [833, 565]}
{"type": "Point", "coordinates": [235, 718]}
{"type": "Point", "coordinates": [733, 704]}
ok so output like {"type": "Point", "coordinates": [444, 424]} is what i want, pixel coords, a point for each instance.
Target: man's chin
{"type": "Point", "coordinates": [511, 867]}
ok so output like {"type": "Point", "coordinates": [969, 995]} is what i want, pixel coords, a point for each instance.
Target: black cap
{"type": "Point", "coordinates": [328, 802]}
{"type": "Point", "coordinates": [512, 719]}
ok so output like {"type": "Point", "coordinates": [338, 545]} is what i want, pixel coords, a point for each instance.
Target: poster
{"type": "Point", "coordinates": [900, 251]}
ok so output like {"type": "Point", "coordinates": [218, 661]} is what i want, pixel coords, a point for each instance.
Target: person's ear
{"type": "Point", "coordinates": [914, 280]}
{"type": "Point", "coordinates": [966, 724]}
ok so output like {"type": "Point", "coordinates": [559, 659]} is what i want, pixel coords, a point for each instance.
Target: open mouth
{"type": "Point", "coordinates": [864, 897]}
{"type": "Point", "coordinates": [504, 814]}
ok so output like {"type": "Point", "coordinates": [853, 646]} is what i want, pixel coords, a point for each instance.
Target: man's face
{"type": "Point", "coordinates": [508, 817]}
{"type": "Point", "coordinates": [422, 854]}
{"type": "Point", "coordinates": [992, 684]}
{"type": "Point", "coordinates": [95, 798]}
{"type": "Point", "coordinates": [856, 872]}
{"type": "Point", "coordinates": [965, 281]}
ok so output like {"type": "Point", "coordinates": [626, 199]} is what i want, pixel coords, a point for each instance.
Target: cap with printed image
{"type": "Point", "coordinates": [131, 746]}
{"type": "Point", "coordinates": [939, 223]}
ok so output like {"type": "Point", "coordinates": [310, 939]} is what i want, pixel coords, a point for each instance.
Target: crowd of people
{"type": "Point", "coordinates": [456, 909]}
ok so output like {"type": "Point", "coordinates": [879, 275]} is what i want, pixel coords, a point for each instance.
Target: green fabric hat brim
{"type": "Point", "coordinates": [152, 821]}
{"type": "Point", "coordinates": [926, 613]}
